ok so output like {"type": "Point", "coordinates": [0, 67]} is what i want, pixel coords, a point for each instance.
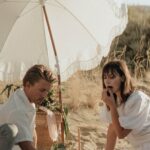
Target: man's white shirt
{"type": "Point", "coordinates": [19, 111]}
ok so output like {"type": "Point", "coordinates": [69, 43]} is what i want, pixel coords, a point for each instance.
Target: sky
{"type": "Point", "coordinates": [138, 2]}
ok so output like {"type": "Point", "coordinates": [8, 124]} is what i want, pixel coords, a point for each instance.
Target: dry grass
{"type": "Point", "coordinates": [143, 83]}
{"type": "Point", "coordinates": [82, 90]}
{"type": "Point", "coordinates": [134, 44]}
{"type": "Point", "coordinates": [3, 97]}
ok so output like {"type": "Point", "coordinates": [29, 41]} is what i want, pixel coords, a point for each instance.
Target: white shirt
{"type": "Point", "coordinates": [19, 111]}
{"type": "Point", "coordinates": [135, 115]}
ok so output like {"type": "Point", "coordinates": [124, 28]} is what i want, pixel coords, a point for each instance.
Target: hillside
{"type": "Point", "coordinates": [82, 91]}
{"type": "Point", "coordinates": [134, 44]}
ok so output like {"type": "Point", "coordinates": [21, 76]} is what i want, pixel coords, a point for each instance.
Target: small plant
{"type": "Point", "coordinates": [58, 146]}
{"type": "Point", "coordinates": [9, 88]}
{"type": "Point", "coordinates": [54, 105]}
{"type": "Point", "coordinates": [49, 102]}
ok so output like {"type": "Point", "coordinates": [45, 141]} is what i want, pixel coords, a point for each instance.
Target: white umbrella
{"type": "Point", "coordinates": [82, 32]}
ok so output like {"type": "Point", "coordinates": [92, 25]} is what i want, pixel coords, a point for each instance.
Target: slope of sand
{"type": "Point", "coordinates": [92, 131]}
{"type": "Point", "coordinates": [83, 97]}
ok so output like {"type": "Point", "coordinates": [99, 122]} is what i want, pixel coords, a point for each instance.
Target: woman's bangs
{"type": "Point", "coordinates": [110, 70]}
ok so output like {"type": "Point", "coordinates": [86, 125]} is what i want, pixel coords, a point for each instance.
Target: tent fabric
{"type": "Point", "coordinates": [82, 31]}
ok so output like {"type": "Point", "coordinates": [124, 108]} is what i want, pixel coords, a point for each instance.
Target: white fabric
{"type": "Point", "coordinates": [145, 146]}
{"type": "Point", "coordinates": [11, 12]}
{"type": "Point", "coordinates": [82, 31]}
{"type": "Point", "coordinates": [51, 121]}
{"type": "Point", "coordinates": [135, 115]}
{"type": "Point", "coordinates": [19, 111]}
{"type": "Point", "coordinates": [105, 114]}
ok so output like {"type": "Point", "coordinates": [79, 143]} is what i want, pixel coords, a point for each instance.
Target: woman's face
{"type": "Point", "coordinates": [112, 81]}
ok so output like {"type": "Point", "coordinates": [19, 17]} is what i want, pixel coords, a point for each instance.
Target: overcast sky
{"type": "Point", "coordinates": [139, 2]}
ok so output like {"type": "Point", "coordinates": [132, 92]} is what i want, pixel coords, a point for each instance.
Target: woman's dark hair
{"type": "Point", "coordinates": [119, 67]}
{"type": "Point", "coordinates": [37, 72]}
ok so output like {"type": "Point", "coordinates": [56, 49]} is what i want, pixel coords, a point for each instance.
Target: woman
{"type": "Point", "coordinates": [126, 110]}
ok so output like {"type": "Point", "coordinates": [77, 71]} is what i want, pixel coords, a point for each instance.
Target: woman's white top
{"type": "Point", "coordinates": [135, 115]}
{"type": "Point", "coordinates": [19, 111]}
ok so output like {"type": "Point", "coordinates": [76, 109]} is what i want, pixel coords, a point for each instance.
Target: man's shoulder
{"type": "Point", "coordinates": [17, 99]}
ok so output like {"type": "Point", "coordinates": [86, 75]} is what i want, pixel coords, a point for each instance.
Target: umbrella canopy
{"type": "Point", "coordinates": [82, 32]}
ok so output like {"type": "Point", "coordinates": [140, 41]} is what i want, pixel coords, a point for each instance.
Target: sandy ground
{"type": "Point", "coordinates": [92, 131]}
{"type": "Point", "coordinates": [82, 98]}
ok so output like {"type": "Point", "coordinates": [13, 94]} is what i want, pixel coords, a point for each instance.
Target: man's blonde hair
{"type": "Point", "coordinates": [37, 72]}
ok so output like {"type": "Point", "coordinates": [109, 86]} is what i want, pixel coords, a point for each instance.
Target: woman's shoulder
{"type": "Point", "coordinates": [135, 111]}
{"type": "Point", "coordinates": [138, 95]}
{"type": "Point", "coordinates": [137, 98]}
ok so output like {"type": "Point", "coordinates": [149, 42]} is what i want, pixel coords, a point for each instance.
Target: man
{"type": "Point", "coordinates": [17, 115]}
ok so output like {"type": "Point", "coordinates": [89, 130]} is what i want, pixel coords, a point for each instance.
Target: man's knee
{"type": "Point", "coordinates": [8, 133]}
{"type": "Point", "coordinates": [8, 130]}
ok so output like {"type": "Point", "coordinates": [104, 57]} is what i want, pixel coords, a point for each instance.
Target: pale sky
{"type": "Point", "coordinates": [137, 2]}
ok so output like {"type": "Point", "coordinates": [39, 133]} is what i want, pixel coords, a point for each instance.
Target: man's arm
{"type": "Point", "coordinates": [111, 138]}
{"type": "Point", "coordinates": [26, 145]}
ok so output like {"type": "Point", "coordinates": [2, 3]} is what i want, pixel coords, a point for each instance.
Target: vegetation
{"type": "Point", "coordinates": [10, 88]}
{"type": "Point", "coordinates": [83, 88]}
{"type": "Point", "coordinates": [58, 146]}
{"type": "Point", "coordinates": [134, 44]}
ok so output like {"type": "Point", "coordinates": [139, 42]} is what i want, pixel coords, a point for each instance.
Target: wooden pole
{"type": "Point", "coordinates": [79, 139]}
{"type": "Point", "coordinates": [58, 68]}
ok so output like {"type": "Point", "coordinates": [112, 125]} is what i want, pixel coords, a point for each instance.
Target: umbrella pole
{"type": "Point", "coordinates": [58, 68]}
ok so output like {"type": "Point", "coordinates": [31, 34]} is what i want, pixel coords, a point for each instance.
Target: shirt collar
{"type": "Point", "coordinates": [22, 97]}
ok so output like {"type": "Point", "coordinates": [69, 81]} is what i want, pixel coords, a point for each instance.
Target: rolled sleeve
{"type": "Point", "coordinates": [21, 120]}
{"type": "Point", "coordinates": [105, 114]}
{"type": "Point", "coordinates": [136, 112]}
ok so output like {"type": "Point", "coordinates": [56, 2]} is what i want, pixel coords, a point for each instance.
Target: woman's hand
{"type": "Point", "coordinates": [108, 98]}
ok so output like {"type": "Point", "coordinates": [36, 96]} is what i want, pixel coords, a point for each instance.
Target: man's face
{"type": "Point", "coordinates": [38, 91]}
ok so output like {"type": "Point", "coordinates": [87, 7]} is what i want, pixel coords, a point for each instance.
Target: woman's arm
{"type": "Point", "coordinates": [120, 131]}
{"type": "Point", "coordinates": [111, 138]}
{"type": "Point", "coordinates": [109, 101]}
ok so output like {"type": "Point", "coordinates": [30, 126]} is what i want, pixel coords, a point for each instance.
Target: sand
{"type": "Point", "coordinates": [92, 131]}
{"type": "Point", "coordinates": [82, 97]}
